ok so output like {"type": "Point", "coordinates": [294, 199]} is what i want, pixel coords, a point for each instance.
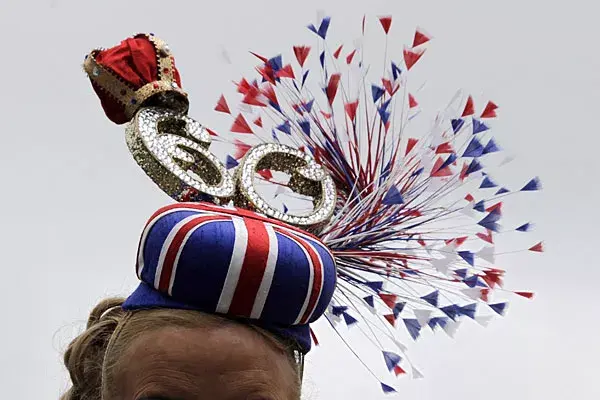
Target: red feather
{"type": "Point", "coordinates": [211, 132]}
{"type": "Point", "coordinates": [411, 57]}
{"type": "Point", "coordinates": [410, 145]}
{"type": "Point", "coordinates": [263, 59]}
{"type": "Point", "coordinates": [437, 171]}
{"type": "Point", "coordinates": [386, 22]}
{"type": "Point", "coordinates": [412, 103]}
{"type": "Point", "coordinates": [460, 240]}
{"type": "Point", "coordinates": [391, 319]}
{"type": "Point", "coordinates": [444, 148]}
{"type": "Point", "coordinates": [240, 125]}
{"type": "Point", "coordinates": [389, 299]}
{"type": "Point", "coordinates": [253, 97]}
{"type": "Point", "coordinates": [286, 72]}
{"type": "Point", "coordinates": [351, 109]}
{"type": "Point", "coordinates": [269, 92]}
{"type": "Point", "coordinates": [497, 206]}
{"type": "Point", "coordinates": [222, 105]}
{"type": "Point", "coordinates": [486, 237]}
{"type": "Point", "coordinates": [463, 171]}
{"type": "Point", "coordinates": [485, 293]}
{"type": "Point", "coordinates": [469, 107]}
{"type": "Point", "coordinates": [243, 86]}
{"type": "Point", "coordinates": [332, 87]}
{"type": "Point", "coordinates": [398, 370]}
{"type": "Point", "coordinates": [539, 248]}
{"type": "Point", "coordinates": [301, 53]}
{"type": "Point", "coordinates": [241, 149]}
{"type": "Point", "coordinates": [490, 110]}
{"type": "Point", "coordinates": [391, 89]}
{"type": "Point", "coordinates": [336, 54]}
{"type": "Point", "coordinates": [350, 56]}
{"type": "Point", "coordinates": [420, 38]}
{"type": "Point", "coordinates": [527, 295]}
{"type": "Point", "coordinates": [266, 174]}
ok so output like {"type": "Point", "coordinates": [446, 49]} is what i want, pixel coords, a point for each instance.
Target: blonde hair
{"type": "Point", "coordinates": [92, 356]}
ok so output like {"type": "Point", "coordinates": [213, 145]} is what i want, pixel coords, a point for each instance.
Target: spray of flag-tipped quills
{"type": "Point", "coordinates": [418, 212]}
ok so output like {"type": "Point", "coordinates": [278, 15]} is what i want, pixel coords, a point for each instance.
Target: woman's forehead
{"type": "Point", "coordinates": [224, 361]}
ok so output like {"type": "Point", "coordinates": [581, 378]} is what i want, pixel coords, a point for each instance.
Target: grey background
{"type": "Point", "coordinates": [73, 201]}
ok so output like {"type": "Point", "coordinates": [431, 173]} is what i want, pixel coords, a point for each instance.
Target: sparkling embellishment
{"type": "Point", "coordinates": [307, 178]}
{"type": "Point", "coordinates": [96, 71]}
{"type": "Point", "coordinates": [172, 149]}
{"type": "Point", "coordinates": [174, 84]}
{"type": "Point", "coordinates": [165, 51]}
{"type": "Point", "coordinates": [176, 157]}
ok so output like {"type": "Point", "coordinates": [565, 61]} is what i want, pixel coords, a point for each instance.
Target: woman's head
{"type": "Point", "coordinates": [177, 355]}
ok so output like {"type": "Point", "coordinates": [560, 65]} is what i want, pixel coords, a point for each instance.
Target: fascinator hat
{"type": "Point", "coordinates": [199, 255]}
{"type": "Point", "coordinates": [376, 249]}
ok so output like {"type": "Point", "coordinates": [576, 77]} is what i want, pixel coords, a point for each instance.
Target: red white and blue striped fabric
{"type": "Point", "coordinates": [233, 262]}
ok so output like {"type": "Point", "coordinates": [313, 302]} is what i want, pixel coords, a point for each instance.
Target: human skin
{"type": "Point", "coordinates": [225, 362]}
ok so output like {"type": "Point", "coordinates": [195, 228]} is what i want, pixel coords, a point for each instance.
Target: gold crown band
{"type": "Point", "coordinates": [164, 60]}
{"type": "Point", "coordinates": [107, 80]}
{"type": "Point", "coordinates": [149, 90]}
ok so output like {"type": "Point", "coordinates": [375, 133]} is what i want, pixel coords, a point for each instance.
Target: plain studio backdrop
{"type": "Point", "coordinates": [74, 202]}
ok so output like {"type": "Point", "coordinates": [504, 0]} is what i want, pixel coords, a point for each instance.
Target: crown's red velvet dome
{"type": "Point", "coordinates": [126, 75]}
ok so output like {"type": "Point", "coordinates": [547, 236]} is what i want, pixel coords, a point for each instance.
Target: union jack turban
{"type": "Point", "coordinates": [237, 263]}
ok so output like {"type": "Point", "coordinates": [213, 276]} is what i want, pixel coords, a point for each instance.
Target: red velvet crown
{"type": "Point", "coordinates": [139, 70]}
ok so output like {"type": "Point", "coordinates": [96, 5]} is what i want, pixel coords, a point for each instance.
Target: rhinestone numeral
{"type": "Point", "coordinates": [173, 150]}
{"type": "Point", "coordinates": [307, 178]}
